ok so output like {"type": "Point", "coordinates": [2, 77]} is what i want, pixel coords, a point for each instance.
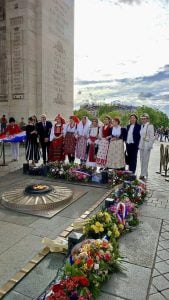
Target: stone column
{"type": "Point", "coordinates": [37, 43]}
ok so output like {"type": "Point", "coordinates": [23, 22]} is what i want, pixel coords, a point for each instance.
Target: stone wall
{"type": "Point", "coordinates": [37, 47]}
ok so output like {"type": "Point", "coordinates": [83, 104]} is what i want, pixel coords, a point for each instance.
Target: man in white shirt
{"type": "Point", "coordinates": [146, 144]}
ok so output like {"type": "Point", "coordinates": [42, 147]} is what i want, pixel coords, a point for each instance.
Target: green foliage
{"type": "Point", "coordinates": [82, 112]}
{"type": "Point", "coordinates": [157, 117]}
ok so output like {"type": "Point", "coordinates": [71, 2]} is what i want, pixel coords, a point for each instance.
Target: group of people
{"type": "Point", "coordinates": [163, 134]}
{"type": "Point", "coordinates": [108, 145]}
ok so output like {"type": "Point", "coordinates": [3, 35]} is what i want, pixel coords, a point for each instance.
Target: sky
{"type": "Point", "coordinates": [122, 52]}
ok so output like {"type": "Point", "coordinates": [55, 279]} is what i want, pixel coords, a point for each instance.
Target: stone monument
{"type": "Point", "coordinates": [36, 57]}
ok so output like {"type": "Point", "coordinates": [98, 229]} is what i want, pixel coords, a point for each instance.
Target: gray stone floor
{"type": "Point", "coordinates": [145, 250]}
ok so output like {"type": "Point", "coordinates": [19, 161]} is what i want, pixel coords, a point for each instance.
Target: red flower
{"type": "Point", "coordinates": [90, 262]}
{"type": "Point", "coordinates": [70, 285]}
{"type": "Point", "coordinates": [77, 261]}
{"type": "Point", "coordinates": [56, 288]}
{"type": "Point", "coordinates": [84, 281]}
{"type": "Point", "coordinates": [107, 257]}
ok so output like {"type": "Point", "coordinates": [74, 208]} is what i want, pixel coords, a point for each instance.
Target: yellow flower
{"type": "Point", "coordinates": [98, 227]}
{"type": "Point", "coordinates": [117, 233]}
{"type": "Point", "coordinates": [114, 226]}
{"type": "Point", "coordinates": [107, 217]}
{"type": "Point", "coordinates": [100, 214]}
{"type": "Point", "coordinates": [121, 226]}
{"type": "Point", "coordinates": [109, 233]}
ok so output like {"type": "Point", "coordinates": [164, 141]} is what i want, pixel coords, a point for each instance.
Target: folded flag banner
{"type": "Point", "coordinates": [19, 137]}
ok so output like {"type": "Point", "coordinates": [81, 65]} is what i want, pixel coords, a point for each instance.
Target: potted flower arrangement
{"type": "Point", "coordinates": [70, 288]}
{"type": "Point", "coordinates": [96, 259]}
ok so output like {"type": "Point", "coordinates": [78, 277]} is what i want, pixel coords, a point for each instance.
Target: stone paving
{"type": "Point", "coordinates": [145, 250]}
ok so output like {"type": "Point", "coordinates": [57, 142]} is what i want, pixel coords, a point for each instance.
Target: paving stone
{"type": "Point", "coordinates": [164, 244]}
{"type": "Point", "coordinates": [166, 293]}
{"type": "Point", "coordinates": [155, 212]}
{"type": "Point", "coordinates": [16, 296]}
{"type": "Point", "coordinates": [78, 207]}
{"type": "Point", "coordinates": [17, 256]}
{"type": "Point", "coordinates": [160, 283]}
{"type": "Point", "coordinates": [151, 204]}
{"type": "Point", "coordinates": [155, 273]}
{"type": "Point", "coordinates": [165, 235]}
{"type": "Point", "coordinates": [43, 274]}
{"type": "Point", "coordinates": [162, 267]}
{"type": "Point", "coordinates": [12, 235]}
{"type": "Point", "coordinates": [157, 296]}
{"type": "Point", "coordinates": [153, 290]}
{"type": "Point", "coordinates": [158, 259]}
{"type": "Point", "coordinates": [146, 236]}
{"type": "Point", "coordinates": [163, 254]}
{"type": "Point", "coordinates": [127, 285]}
{"type": "Point", "coordinates": [17, 218]}
{"type": "Point", "coordinates": [166, 275]}
{"type": "Point", "coordinates": [161, 205]}
{"type": "Point", "coordinates": [161, 239]}
{"type": "Point", "coordinates": [48, 227]}
{"type": "Point", "coordinates": [108, 297]}
{"type": "Point", "coordinates": [166, 227]}
{"type": "Point", "coordinates": [160, 248]}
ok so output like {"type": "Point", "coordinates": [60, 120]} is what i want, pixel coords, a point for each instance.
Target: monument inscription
{"type": "Point", "coordinates": [3, 65]}
{"type": "Point", "coordinates": [17, 62]}
{"type": "Point", "coordinates": [58, 16]}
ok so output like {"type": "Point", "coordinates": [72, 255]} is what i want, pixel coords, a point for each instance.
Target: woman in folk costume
{"type": "Point", "coordinates": [82, 135]}
{"type": "Point", "coordinates": [92, 143]}
{"type": "Point", "coordinates": [103, 144]}
{"type": "Point", "coordinates": [32, 147]}
{"type": "Point", "coordinates": [115, 156]}
{"type": "Point", "coordinates": [70, 133]}
{"type": "Point", "coordinates": [56, 149]}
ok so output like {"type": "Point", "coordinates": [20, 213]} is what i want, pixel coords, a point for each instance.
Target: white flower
{"type": "Point", "coordinates": [96, 266]}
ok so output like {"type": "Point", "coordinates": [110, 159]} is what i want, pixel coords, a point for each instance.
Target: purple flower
{"type": "Point", "coordinates": [74, 296]}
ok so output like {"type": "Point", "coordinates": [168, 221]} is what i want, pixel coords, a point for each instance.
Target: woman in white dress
{"type": "Point", "coordinates": [82, 134]}
{"type": "Point", "coordinates": [115, 156]}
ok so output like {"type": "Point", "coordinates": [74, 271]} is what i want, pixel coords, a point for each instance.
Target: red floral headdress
{"type": "Point", "coordinates": [76, 119]}
{"type": "Point", "coordinates": [61, 118]}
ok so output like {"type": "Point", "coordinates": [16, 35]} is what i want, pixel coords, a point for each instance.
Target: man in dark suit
{"type": "Point", "coordinates": [44, 130]}
{"type": "Point", "coordinates": [132, 142]}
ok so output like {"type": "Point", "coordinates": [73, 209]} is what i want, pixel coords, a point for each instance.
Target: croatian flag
{"type": "Point", "coordinates": [19, 137]}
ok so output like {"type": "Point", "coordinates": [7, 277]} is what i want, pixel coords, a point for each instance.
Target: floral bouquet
{"type": "Point", "coordinates": [96, 259]}
{"type": "Point", "coordinates": [135, 191]}
{"type": "Point", "coordinates": [70, 288]}
{"type": "Point", "coordinates": [102, 224]}
{"type": "Point", "coordinates": [118, 176]}
{"type": "Point", "coordinates": [113, 178]}
{"type": "Point", "coordinates": [126, 214]}
{"type": "Point", "coordinates": [87, 169]}
{"type": "Point", "coordinates": [57, 170]}
{"type": "Point", "coordinates": [75, 174]}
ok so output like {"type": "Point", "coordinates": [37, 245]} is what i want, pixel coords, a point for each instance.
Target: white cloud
{"type": "Point", "coordinates": [120, 40]}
